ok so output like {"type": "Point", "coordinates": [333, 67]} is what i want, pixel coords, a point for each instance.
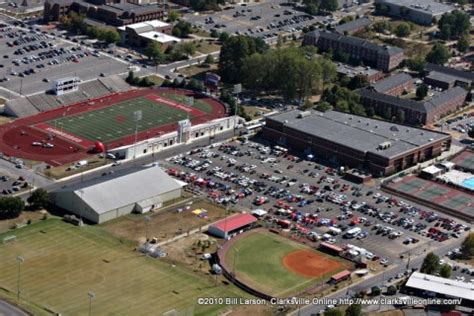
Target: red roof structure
{"type": "Point", "coordinates": [234, 222]}
{"type": "Point", "coordinates": [341, 275]}
{"type": "Point", "coordinates": [331, 247]}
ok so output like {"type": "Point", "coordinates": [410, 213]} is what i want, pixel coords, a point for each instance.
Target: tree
{"type": "Point", "coordinates": [416, 64]}
{"type": "Point", "coordinates": [445, 271]}
{"type": "Point", "coordinates": [39, 199]}
{"type": "Point", "coordinates": [381, 9]}
{"type": "Point", "coordinates": [323, 106]}
{"type": "Point", "coordinates": [173, 16]}
{"type": "Point", "coordinates": [347, 18]}
{"type": "Point", "coordinates": [464, 43]}
{"type": "Point", "coordinates": [11, 207]}
{"type": "Point", "coordinates": [438, 55]}
{"type": "Point", "coordinates": [110, 36]}
{"type": "Point", "coordinates": [402, 30]}
{"type": "Point", "coordinates": [182, 29]}
{"type": "Point", "coordinates": [333, 312]}
{"type": "Point", "coordinates": [354, 310]}
{"type": "Point", "coordinates": [391, 290]}
{"type": "Point", "coordinates": [154, 53]}
{"type": "Point", "coordinates": [467, 246]}
{"type": "Point", "coordinates": [223, 37]}
{"type": "Point", "coordinates": [328, 5]}
{"type": "Point", "coordinates": [307, 105]}
{"type": "Point", "coordinates": [471, 133]}
{"type": "Point", "coordinates": [387, 113]}
{"type": "Point", "coordinates": [375, 291]}
{"type": "Point", "coordinates": [430, 264]}
{"type": "Point", "coordinates": [381, 27]}
{"type": "Point", "coordinates": [209, 60]}
{"type": "Point", "coordinates": [357, 82]}
{"type": "Point", "coordinates": [421, 91]}
{"type": "Point", "coordinates": [454, 24]}
{"type": "Point", "coordinates": [312, 9]}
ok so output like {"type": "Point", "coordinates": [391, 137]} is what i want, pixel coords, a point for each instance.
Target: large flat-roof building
{"type": "Point", "coordinates": [383, 57]}
{"type": "Point", "coordinates": [140, 34]}
{"type": "Point", "coordinates": [377, 146]}
{"type": "Point", "coordinates": [419, 11]}
{"type": "Point", "coordinates": [442, 286]}
{"type": "Point", "coordinates": [106, 198]}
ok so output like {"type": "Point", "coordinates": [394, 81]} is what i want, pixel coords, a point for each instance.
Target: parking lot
{"type": "Point", "coordinates": [312, 198]}
{"type": "Point", "coordinates": [12, 185]}
{"type": "Point", "coordinates": [264, 20]}
{"type": "Point", "coordinates": [31, 58]}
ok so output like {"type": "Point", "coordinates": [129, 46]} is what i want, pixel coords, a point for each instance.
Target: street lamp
{"type": "Point", "coordinates": [91, 297]}
{"type": "Point", "coordinates": [20, 260]}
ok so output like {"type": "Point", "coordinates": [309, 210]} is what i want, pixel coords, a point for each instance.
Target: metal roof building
{"type": "Point", "coordinates": [439, 285]}
{"type": "Point", "coordinates": [102, 199]}
{"type": "Point", "coordinates": [228, 225]}
{"type": "Point", "coordinates": [418, 11]}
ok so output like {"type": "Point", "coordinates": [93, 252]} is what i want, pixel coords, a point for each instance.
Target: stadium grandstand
{"type": "Point", "coordinates": [41, 102]}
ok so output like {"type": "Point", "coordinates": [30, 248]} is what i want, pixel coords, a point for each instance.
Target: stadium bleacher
{"type": "Point", "coordinates": [41, 102]}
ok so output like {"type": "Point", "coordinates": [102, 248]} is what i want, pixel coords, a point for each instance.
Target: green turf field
{"type": "Point", "coordinates": [63, 263]}
{"type": "Point", "coordinates": [116, 121]}
{"type": "Point", "coordinates": [181, 98]}
{"type": "Point", "coordinates": [259, 264]}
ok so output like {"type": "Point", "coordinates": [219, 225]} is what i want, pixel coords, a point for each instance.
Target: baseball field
{"type": "Point", "coordinates": [278, 266]}
{"type": "Point", "coordinates": [62, 263]}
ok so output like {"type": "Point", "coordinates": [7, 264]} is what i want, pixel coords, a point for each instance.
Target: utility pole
{"type": "Point", "coordinates": [20, 260]}
{"type": "Point", "coordinates": [91, 297]}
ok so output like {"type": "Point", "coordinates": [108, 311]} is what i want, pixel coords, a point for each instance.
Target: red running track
{"type": "Point", "coordinates": [17, 137]}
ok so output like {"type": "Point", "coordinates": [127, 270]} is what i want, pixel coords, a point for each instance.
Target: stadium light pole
{"type": "Point", "coordinates": [20, 260]}
{"type": "Point", "coordinates": [91, 297]}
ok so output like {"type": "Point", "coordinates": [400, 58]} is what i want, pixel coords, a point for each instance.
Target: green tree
{"type": "Point", "coordinates": [223, 37]}
{"type": "Point", "coordinates": [421, 91]}
{"type": "Point", "coordinates": [39, 199]}
{"type": "Point", "coordinates": [173, 16]}
{"type": "Point", "coordinates": [110, 36]}
{"type": "Point", "coordinates": [445, 271]}
{"type": "Point", "coordinates": [312, 9]}
{"type": "Point", "coordinates": [416, 64]}
{"type": "Point", "coordinates": [333, 312]}
{"type": "Point", "coordinates": [402, 30]}
{"type": "Point", "coordinates": [154, 53]}
{"type": "Point", "coordinates": [445, 32]}
{"type": "Point", "coordinates": [328, 5]}
{"type": "Point", "coordinates": [11, 207]}
{"type": "Point", "coordinates": [464, 43]}
{"type": "Point", "coordinates": [467, 246]}
{"type": "Point", "coordinates": [323, 106]}
{"type": "Point", "coordinates": [354, 310]}
{"type": "Point", "coordinates": [209, 60]}
{"type": "Point", "coordinates": [381, 27]}
{"type": "Point", "coordinates": [375, 291]}
{"type": "Point", "coordinates": [381, 9]}
{"type": "Point", "coordinates": [182, 29]}
{"type": "Point", "coordinates": [439, 54]}
{"type": "Point", "coordinates": [347, 18]}
{"type": "Point", "coordinates": [430, 264]}
{"type": "Point", "coordinates": [342, 105]}
{"type": "Point", "coordinates": [387, 113]}
{"type": "Point", "coordinates": [357, 82]}
{"type": "Point", "coordinates": [391, 290]}
{"type": "Point", "coordinates": [454, 24]}
{"type": "Point", "coordinates": [307, 105]}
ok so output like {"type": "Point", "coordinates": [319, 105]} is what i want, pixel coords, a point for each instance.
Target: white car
{"type": "Point", "coordinates": [384, 261]}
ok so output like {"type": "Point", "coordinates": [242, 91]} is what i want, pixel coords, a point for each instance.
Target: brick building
{"type": "Point", "coordinates": [415, 112]}
{"type": "Point", "coordinates": [394, 85]}
{"type": "Point", "coordinates": [383, 57]}
{"type": "Point", "coordinates": [111, 12]}
{"type": "Point", "coordinates": [371, 74]}
{"type": "Point", "coordinates": [379, 147]}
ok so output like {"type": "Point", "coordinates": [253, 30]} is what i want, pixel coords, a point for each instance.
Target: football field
{"type": "Point", "coordinates": [62, 263]}
{"type": "Point", "coordinates": [117, 121]}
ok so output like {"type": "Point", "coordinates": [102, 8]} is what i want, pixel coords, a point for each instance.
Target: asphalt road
{"type": "Point", "coordinates": [10, 310]}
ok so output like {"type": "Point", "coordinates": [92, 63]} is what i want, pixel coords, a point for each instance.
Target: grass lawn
{"type": "Point", "coordinates": [181, 98]}
{"type": "Point", "coordinates": [259, 263]}
{"type": "Point", "coordinates": [62, 263]}
{"type": "Point", "coordinates": [69, 169]}
{"type": "Point", "coordinates": [156, 80]}
{"type": "Point", "coordinates": [116, 121]}
{"type": "Point", "coordinates": [205, 47]}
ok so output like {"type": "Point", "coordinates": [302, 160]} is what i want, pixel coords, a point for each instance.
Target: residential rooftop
{"type": "Point", "coordinates": [467, 75]}
{"type": "Point", "coordinates": [391, 82]}
{"type": "Point", "coordinates": [359, 132]}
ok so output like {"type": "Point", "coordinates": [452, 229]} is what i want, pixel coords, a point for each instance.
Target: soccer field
{"type": "Point", "coordinates": [259, 258]}
{"type": "Point", "coordinates": [116, 121]}
{"type": "Point", "coordinates": [62, 263]}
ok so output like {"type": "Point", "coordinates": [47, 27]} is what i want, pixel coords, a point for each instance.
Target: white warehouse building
{"type": "Point", "coordinates": [106, 198]}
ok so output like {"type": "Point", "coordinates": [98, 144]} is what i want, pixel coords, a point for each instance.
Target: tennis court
{"type": "Point", "coordinates": [465, 160]}
{"type": "Point", "coordinates": [435, 194]}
